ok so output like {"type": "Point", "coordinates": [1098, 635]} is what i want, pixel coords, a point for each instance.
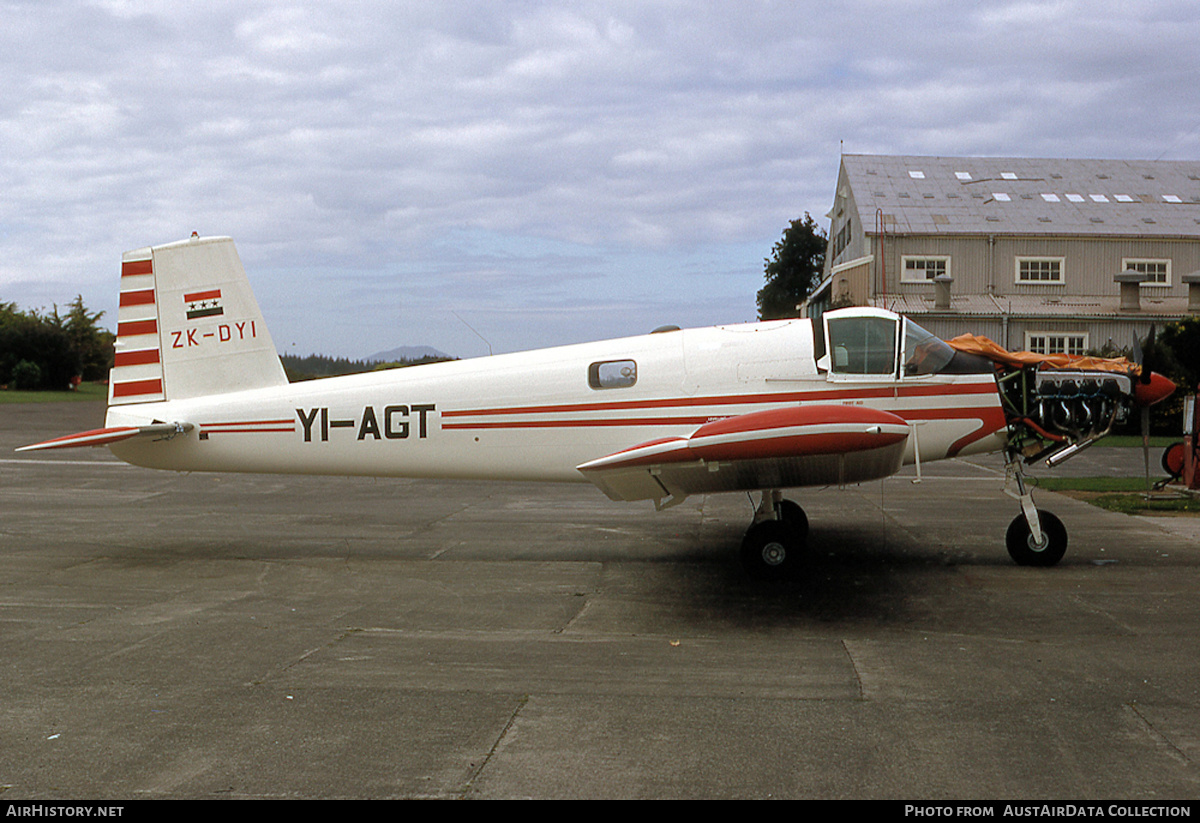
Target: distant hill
{"type": "Point", "coordinates": [407, 353]}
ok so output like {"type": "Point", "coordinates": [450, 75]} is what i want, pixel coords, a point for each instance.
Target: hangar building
{"type": "Point", "coordinates": [1042, 255]}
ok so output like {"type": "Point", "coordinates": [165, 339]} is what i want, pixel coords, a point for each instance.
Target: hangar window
{"type": "Point", "coordinates": [1040, 270]}
{"type": "Point", "coordinates": [612, 374]}
{"type": "Point", "coordinates": [1158, 272]}
{"type": "Point", "coordinates": [923, 269]}
{"type": "Point", "coordinates": [842, 239]}
{"type": "Point", "coordinates": [1056, 343]}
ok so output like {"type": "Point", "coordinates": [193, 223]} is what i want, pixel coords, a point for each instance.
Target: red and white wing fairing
{"type": "Point", "coordinates": [778, 448]}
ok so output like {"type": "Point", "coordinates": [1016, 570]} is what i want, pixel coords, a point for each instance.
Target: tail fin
{"type": "Point", "coordinates": [188, 325]}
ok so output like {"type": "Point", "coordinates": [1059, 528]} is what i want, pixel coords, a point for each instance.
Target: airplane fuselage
{"type": "Point", "coordinates": [538, 415]}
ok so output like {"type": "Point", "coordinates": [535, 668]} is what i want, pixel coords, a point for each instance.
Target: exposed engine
{"type": "Point", "coordinates": [1080, 404]}
{"type": "Point", "coordinates": [1055, 413]}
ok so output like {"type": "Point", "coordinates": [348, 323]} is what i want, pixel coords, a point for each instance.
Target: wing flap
{"type": "Point", "coordinates": [778, 448]}
{"type": "Point", "coordinates": [103, 437]}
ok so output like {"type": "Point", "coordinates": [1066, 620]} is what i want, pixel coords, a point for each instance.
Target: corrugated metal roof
{"type": "Point", "coordinates": [983, 305]}
{"type": "Point", "coordinates": [997, 195]}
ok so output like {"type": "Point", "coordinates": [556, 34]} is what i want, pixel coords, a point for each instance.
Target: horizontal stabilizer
{"type": "Point", "coordinates": [103, 437]}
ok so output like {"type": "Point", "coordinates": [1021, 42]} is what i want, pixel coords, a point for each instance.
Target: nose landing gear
{"type": "Point", "coordinates": [1035, 537]}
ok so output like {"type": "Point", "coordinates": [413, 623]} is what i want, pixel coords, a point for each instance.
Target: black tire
{"type": "Point", "coordinates": [794, 518]}
{"type": "Point", "coordinates": [771, 550]}
{"type": "Point", "coordinates": [1025, 552]}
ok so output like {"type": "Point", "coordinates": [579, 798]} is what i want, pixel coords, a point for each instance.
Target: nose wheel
{"type": "Point", "coordinates": [1046, 550]}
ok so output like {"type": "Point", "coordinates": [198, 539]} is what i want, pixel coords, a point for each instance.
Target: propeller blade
{"type": "Point", "coordinates": [1146, 443]}
{"type": "Point", "coordinates": [1149, 356]}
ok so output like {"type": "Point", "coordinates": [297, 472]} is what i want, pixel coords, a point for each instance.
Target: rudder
{"type": "Point", "coordinates": [188, 325]}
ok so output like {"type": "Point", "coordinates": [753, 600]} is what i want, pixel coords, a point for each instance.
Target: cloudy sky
{"type": "Point", "coordinates": [527, 173]}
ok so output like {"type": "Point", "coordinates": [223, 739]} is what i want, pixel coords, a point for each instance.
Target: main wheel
{"type": "Point", "coordinates": [1025, 551]}
{"type": "Point", "coordinates": [772, 550]}
{"type": "Point", "coordinates": [794, 517]}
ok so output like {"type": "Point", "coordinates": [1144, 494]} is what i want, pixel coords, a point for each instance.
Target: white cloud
{"type": "Point", "coordinates": [347, 143]}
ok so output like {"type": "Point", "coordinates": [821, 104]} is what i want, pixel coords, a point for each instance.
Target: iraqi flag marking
{"type": "Point", "coordinates": [203, 304]}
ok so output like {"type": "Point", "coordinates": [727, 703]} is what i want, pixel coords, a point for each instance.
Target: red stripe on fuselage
{"type": "Point", "coordinates": [282, 422]}
{"type": "Point", "coordinates": [990, 413]}
{"type": "Point", "coordinates": [996, 416]}
{"type": "Point", "coordinates": [251, 427]}
{"type": "Point", "coordinates": [848, 393]}
{"type": "Point", "coordinates": [555, 424]}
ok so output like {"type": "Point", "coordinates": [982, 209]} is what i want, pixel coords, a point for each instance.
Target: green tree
{"type": "Point", "coordinates": [46, 351]}
{"type": "Point", "coordinates": [1174, 353]}
{"type": "Point", "coordinates": [26, 375]}
{"type": "Point", "coordinates": [38, 341]}
{"type": "Point", "coordinates": [793, 269]}
{"type": "Point", "coordinates": [1182, 340]}
{"type": "Point", "coordinates": [91, 345]}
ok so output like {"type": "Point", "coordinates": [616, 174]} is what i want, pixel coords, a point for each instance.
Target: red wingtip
{"type": "Point", "coordinates": [1159, 388]}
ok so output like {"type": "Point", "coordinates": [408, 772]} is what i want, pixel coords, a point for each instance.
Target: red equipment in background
{"type": "Point", "coordinates": [1182, 460]}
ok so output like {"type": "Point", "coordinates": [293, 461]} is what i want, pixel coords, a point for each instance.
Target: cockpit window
{"type": "Point", "coordinates": [924, 353]}
{"type": "Point", "coordinates": [862, 345]}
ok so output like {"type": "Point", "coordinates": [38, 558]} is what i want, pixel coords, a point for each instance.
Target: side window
{"type": "Point", "coordinates": [862, 345]}
{"type": "Point", "coordinates": [612, 374]}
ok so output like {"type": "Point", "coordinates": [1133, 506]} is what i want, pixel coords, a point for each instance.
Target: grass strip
{"type": "Point", "coordinates": [87, 391]}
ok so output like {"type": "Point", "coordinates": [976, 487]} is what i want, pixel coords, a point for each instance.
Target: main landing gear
{"type": "Point", "coordinates": [1035, 537]}
{"type": "Point", "coordinates": [773, 547]}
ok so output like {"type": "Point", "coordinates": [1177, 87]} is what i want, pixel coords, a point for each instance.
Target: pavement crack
{"type": "Point", "coordinates": [566, 627]}
{"type": "Point", "coordinates": [854, 668]}
{"type": "Point", "coordinates": [303, 656]}
{"type": "Point", "coordinates": [1087, 605]}
{"type": "Point", "coordinates": [1172, 750]}
{"type": "Point", "coordinates": [474, 776]}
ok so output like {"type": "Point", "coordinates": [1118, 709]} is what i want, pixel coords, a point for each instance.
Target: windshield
{"type": "Point", "coordinates": [924, 353]}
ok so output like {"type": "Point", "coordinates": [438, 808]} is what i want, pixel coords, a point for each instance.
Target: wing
{"type": "Point", "coordinates": [775, 449]}
{"type": "Point", "coordinates": [102, 437]}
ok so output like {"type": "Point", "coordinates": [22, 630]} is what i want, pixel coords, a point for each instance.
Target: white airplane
{"type": "Point", "coordinates": [197, 385]}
